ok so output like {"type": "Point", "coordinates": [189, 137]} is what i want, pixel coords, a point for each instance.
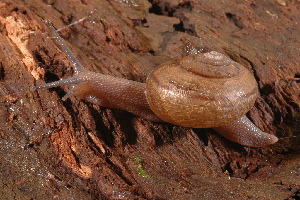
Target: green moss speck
{"type": "Point", "coordinates": [140, 168]}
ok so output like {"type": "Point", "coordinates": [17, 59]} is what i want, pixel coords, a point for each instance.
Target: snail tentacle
{"type": "Point", "coordinates": [244, 132]}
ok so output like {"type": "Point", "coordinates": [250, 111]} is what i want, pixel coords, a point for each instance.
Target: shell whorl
{"type": "Point", "coordinates": [201, 90]}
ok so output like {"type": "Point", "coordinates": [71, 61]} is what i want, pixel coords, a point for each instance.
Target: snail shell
{"type": "Point", "coordinates": [201, 91]}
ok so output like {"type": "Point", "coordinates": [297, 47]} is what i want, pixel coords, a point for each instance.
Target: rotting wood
{"type": "Point", "coordinates": [55, 149]}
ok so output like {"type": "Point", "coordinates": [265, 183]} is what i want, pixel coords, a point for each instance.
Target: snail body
{"type": "Point", "coordinates": [200, 91]}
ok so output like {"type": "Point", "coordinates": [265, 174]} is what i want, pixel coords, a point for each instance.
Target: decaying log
{"type": "Point", "coordinates": [77, 150]}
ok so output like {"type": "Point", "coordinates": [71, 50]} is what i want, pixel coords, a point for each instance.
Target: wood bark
{"type": "Point", "coordinates": [54, 149]}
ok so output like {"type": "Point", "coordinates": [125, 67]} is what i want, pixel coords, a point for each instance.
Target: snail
{"type": "Point", "coordinates": [199, 91]}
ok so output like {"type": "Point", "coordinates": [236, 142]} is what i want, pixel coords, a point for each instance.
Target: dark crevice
{"type": "Point", "coordinates": [60, 182]}
{"type": "Point", "coordinates": [235, 20]}
{"type": "Point", "coordinates": [39, 58]}
{"type": "Point", "coordinates": [53, 68]}
{"type": "Point", "coordinates": [106, 133]}
{"type": "Point", "coordinates": [31, 145]}
{"type": "Point", "coordinates": [132, 49]}
{"type": "Point", "coordinates": [202, 135]}
{"type": "Point", "coordinates": [107, 40]}
{"type": "Point", "coordinates": [75, 157]}
{"type": "Point", "coordinates": [68, 19]}
{"type": "Point", "coordinates": [256, 170]}
{"type": "Point", "coordinates": [252, 67]}
{"type": "Point", "coordinates": [185, 27]}
{"type": "Point", "coordinates": [68, 106]}
{"type": "Point", "coordinates": [164, 8]}
{"type": "Point", "coordinates": [297, 76]}
{"type": "Point", "coordinates": [161, 8]}
{"type": "Point", "coordinates": [50, 77]}
{"type": "Point", "coordinates": [127, 128]}
{"type": "Point", "coordinates": [296, 195]}
{"type": "Point", "coordinates": [152, 52]}
{"type": "Point", "coordinates": [228, 169]}
{"type": "Point", "coordinates": [94, 147]}
{"type": "Point", "coordinates": [118, 171]}
{"type": "Point", "coordinates": [179, 27]}
{"type": "Point", "coordinates": [2, 72]}
{"type": "Point", "coordinates": [139, 22]}
{"type": "Point", "coordinates": [16, 9]}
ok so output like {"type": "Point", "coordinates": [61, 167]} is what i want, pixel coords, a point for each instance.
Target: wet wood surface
{"type": "Point", "coordinates": [54, 149]}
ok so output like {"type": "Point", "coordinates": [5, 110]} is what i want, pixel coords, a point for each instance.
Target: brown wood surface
{"type": "Point", "coordinates": [50, 149]}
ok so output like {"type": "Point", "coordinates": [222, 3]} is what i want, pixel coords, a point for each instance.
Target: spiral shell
{"type": "Point", "coordinates": [201, 90]}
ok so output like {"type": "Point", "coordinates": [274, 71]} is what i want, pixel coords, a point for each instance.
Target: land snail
{"type": "Point", "coordinates": [199, 91]}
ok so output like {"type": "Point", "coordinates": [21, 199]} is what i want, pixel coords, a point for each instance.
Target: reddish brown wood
{"type": "Point", "coordinates": [74, 149]}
